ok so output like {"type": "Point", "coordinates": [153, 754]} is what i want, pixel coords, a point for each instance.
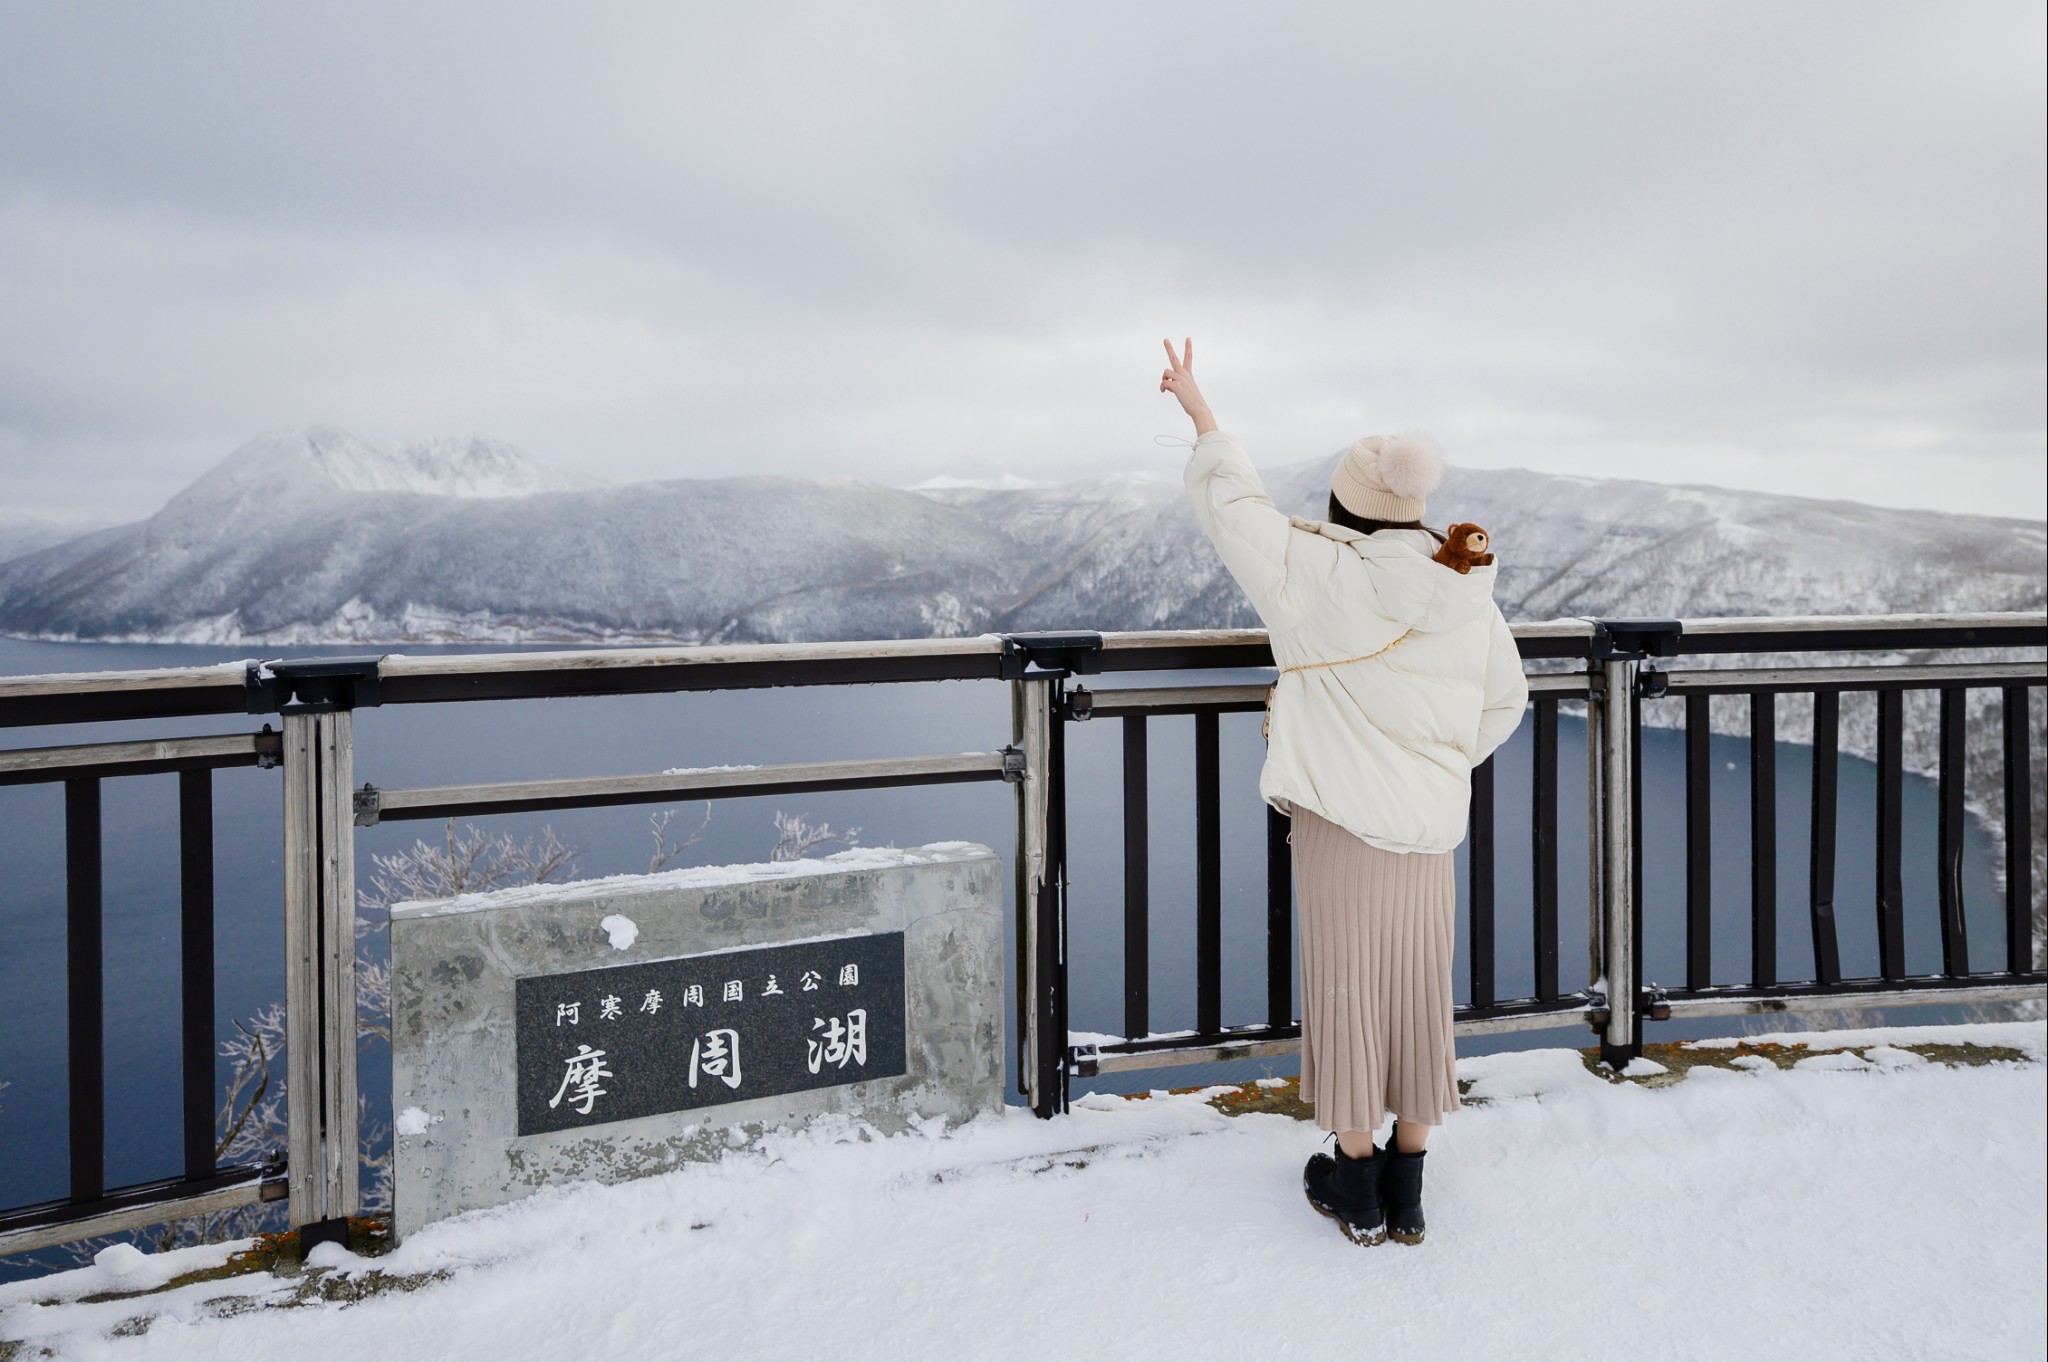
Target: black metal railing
{"type": "Point", "coordinates": [1825, 686]}
{"type": "Point", "coordinates": [1211, 1039]}
{"type": "Point", "coordinates": [1609, 667]}
{"type": "Point", "coordinates": [1619, 670]}
{"type": "Point", "coordinates": [82, 771]}
{"type": "Point", "coordinates": [314, 698]}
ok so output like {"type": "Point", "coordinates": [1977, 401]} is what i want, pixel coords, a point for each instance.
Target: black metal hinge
{"type": "Point", "coordinates": [311, 685]}
{"type": "Point", "coordinates": [1630, 640]}
{"type": "Point", "coordinates": [1042, 655]}
{"type": "Point", "coordinates": [269, 749]}
{"type": "Point", "coordinates": [277, 1184]}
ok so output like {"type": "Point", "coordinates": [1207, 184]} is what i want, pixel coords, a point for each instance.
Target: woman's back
{"type": "Point", "coordinates": [1398, 674]}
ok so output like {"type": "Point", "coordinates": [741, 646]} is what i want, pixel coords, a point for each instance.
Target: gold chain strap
{"type": "Point", "coordinates": [1266, 724]}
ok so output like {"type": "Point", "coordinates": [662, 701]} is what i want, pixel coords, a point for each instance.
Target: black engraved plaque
{"type": "Point", "coordinates": [670, 1035]}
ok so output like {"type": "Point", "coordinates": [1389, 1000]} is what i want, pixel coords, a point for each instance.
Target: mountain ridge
{"type": "Point", "coordinates": [311, 535]}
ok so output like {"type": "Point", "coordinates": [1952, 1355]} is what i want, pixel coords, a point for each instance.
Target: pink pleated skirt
{"type": "Point", "coordinates": [1376, 930]}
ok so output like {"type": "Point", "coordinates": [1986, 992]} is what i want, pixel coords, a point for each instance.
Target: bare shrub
{"type": "Point", "coordinates": [468, 861]}
{"type": "Point", "coordinates": [251, 1122]}
{"type": "Point", "coordinates": [665, 850]}
{"type": "Point", "coordinates": [796, 836]}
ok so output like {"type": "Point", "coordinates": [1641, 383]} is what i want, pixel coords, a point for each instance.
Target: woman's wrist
{"type": "Point", "coordinates": [1205, 422]}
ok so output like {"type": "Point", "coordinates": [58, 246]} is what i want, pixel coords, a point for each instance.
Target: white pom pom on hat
{"type": "Point", "coordinates": [1410, 466]}
{"type": "Point", "coordinates": [1388, 477]}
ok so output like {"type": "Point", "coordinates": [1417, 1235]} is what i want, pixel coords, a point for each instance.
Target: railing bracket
{"type": "Point", "coordinates": [1014, 764]}
{"type": "Point", "coordinates": [1074, 653]}
{"type": "Point", "coordinates": [1632, 640]}
{"type": "Point", "coordinates": [311, 685]}
{"type": "Point", "coordinates": [367, 803]}
{"type": "Point", "coordinates": [269, 749]}
{"type": "Point", "coordinates": [276, 1178]}
{"type": "Point", "coordinates": [1081, 704]}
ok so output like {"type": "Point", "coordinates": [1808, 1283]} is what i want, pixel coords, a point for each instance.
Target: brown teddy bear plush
{"type": "Point", "coordinates": [1465, 547]}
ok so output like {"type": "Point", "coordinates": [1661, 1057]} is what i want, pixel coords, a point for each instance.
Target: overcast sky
{"type": "Point", "coordinates": [1796, 246]}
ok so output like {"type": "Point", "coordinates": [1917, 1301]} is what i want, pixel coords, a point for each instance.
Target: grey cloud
{"type": "Point", "coordinates": [1747, 242]}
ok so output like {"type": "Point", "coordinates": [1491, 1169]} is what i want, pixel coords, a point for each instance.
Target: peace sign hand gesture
{"type": "Point", "coordinates": [1179, 379]}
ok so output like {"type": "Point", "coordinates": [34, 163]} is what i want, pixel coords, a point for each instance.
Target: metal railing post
{"type": "Point", "coordinates": [1596, 842]}
{"type": "Point", "coordinates": [1037, 665]}
{"type": "Point", "coordinates": [1616, 648]}
{"type": "Point", "coordinates": [1619, 1043]}
{"type": "Point", "coordinates": [85, 982]}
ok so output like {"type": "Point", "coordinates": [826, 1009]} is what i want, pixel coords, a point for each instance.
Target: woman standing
{"type": "Point", "coordinates": [1397, 676]}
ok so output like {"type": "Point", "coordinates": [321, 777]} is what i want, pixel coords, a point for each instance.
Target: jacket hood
{"type": "Point", "coordinates": [1413, 588]}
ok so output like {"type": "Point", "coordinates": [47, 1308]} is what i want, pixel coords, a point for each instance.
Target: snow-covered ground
{"type": "Point", "coordinates": [1872, 1206]}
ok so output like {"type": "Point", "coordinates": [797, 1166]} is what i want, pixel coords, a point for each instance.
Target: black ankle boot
{"type": "Point", "coordinates": [1401, 1187]}
{"type": "Point", "coordinates": [1348, 1191]}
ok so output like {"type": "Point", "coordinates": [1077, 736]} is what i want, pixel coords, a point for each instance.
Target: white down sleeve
{"type": "Point", "coordinates": [1507, 690]}
{"type": "Point", "coordinates": [1282, 570]}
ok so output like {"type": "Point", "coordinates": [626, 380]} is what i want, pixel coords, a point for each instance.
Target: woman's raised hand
{"type": "Point", "coordinates": [1179, 379]}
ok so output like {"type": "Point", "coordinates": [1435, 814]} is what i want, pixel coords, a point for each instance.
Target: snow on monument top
{"type": "Point", "coordinates": [694, 877]}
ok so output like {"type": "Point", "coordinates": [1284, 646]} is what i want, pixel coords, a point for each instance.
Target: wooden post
{"type": "Point", "coordinates": [338, 948]}
{"type": "Point", "coordinates": [302, 968]}
{"type": "Point", "coordinates": [320, 974]}
{"type": "Point", "coordinates": [1037, 897]}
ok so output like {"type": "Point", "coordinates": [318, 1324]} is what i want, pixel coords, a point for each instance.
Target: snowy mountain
{"type": "Point", "coordinates": [446, 467]}
{"type": "Point", "coordinates": [313, 535]}
{"type": "Point", "coordinates": [309, 536]}
{"type": "Point", "coordinates": [26, 534]}
{"type": "Point", "coordinates": [1568, 546]}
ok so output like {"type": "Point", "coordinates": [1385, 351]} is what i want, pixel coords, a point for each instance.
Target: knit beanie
{"type": "Point", "coordinates": [1388, 477]}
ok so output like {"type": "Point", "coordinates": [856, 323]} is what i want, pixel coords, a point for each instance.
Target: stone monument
{"type": "Point", "coordinates": [613, 1028]}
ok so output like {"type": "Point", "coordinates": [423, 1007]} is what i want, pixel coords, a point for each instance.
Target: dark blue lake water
{"type": "Point", "coordinates": [428, 744]}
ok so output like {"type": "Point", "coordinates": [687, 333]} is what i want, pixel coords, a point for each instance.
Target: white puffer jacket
{"type": "Point", "coordinates": [1386, 747]}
